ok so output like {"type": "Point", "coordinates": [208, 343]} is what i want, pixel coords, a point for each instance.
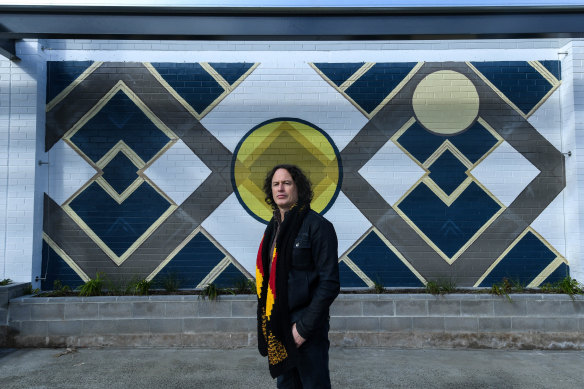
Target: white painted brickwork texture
{"type": "Point", "coordinates": [21, 146]}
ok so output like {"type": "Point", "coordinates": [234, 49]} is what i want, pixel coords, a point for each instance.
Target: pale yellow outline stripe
{"type": "Point", "coordinates": [357, 271]}
{"type": "Point", "coordinates": [355, 76]}
{"type": "Point", "coordinates": [213, 274]}
{"type": "Point", "coordinates": [545, 273]}
{"type": "Point", "coordinates": [57, 99]}
{"type": "Point", "coordinates": [65, 257]}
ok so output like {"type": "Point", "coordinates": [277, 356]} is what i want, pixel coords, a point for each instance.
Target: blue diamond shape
{"type": "Point", "coordinates": [120, 172]}
{"type": "Point", "coordinates": [448, 172]}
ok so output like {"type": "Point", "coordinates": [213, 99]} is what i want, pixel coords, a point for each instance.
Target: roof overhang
{"type": "Point", "coordinates": [286, 23]}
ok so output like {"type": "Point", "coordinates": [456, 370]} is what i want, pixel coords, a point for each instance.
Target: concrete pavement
{"type": "Point", "coordinates": [243, 368]}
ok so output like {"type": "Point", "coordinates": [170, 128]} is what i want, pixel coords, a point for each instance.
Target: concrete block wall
{"type": "Point", "coordinates": [484, 321]}
{"type": "Point", "coordinates": [282, 86]}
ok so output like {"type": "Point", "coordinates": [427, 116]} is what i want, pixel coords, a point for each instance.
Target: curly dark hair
{"type": "Point", "coordinates": [302, 182]}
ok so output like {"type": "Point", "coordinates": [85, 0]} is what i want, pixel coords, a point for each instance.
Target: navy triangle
{"type": "Point", "coordinates": [60, 74]}
{"type": "Point", "coordinates": [193, 263]}
{"type": "Point", "coordinates": [554, 67]}
{"type": "Point", "coordinates": [338, 72]}
{"type": "Point", "coordinates": [231, 72]}
{"type": "Point", "coordinates": [559, 274]}
{"type": "Point", "coordinates": [348, 277]}
{"type": "Point", "coordinates": [229, 277]}
{"type": "Point", "coordinates": [381, 265]}
{"type": "Point", "coordinates": [378, 82]}
{"type": "Point", "coordinates": [55, 268]}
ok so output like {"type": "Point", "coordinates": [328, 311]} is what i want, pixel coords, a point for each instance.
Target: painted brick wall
{"type": "Point", "coordinates": [212, 231]}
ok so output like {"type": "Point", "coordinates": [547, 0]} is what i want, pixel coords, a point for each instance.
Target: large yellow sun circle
{"type": "Point", "coordinates": [290, 141]}
{"type": "Point", "coordinates": [446, 102]}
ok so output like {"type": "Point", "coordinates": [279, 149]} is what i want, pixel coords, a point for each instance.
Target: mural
{"type": "Point", "coordinates": [429, 171]}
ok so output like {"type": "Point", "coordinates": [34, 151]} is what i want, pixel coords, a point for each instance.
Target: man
{"type": "Point", "coordinates": [297, 276]}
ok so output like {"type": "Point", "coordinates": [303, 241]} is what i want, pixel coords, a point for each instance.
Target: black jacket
{"type": "Point", "coordinates": [313, 280]}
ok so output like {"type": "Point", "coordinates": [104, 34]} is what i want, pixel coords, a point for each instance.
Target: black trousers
{"type": "Point", "coordinates": [312, 371]}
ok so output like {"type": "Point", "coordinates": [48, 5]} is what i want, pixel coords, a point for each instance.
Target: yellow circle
{"type": "Point", "coordinates": [285, 141]}
{"type": "Point", "coordinates": [446, 102]}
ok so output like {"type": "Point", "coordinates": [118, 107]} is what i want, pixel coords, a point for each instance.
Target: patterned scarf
{"type": "Point", "coordinates": [274, 328]}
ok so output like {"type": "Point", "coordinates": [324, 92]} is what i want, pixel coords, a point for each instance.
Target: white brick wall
{"type": "Point", "coordinates": [22, 181]}
{"type": "Point", "coordinates": [18, 146]}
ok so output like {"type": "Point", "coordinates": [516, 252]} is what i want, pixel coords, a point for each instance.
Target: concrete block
{"type": "Point", "coordinates": [181, 309]}
{"type": "Point", "coordinates": [411, 308]}
{"type": "Point", "coordinates": [99, 327]}
{"type": "Point", "coordinates": [527, 324]}
{"type": "Point", "coordinates": [47, 311]}
{"type": "Point", "coordinates": [165, 326]}
{"type": "Point", "coordinates": [346, 308]}
{"type": "Point", "coordinates": [65, 328]}
{"type": "Point", "coordinates": [236, 325]}
{"type": "Point", "coordinates": [148, 309]}
{"type": "Point", "coordinates": [494, 324]}
{"type": "Point", "coordinates": [379, 308]}
{"type": "Point", "coordinates": [199, 324]}
{"type": "Point", "coordinates": [132, 326]}
{"type": "Point", "coordinates": [504, 307]}
{"type": "Point", "coordinates": [244, 309]}
{"type": "Point", "coordinates": [34, 328]}
{"type": "Point", "coordinates": [19, 312]}
{"type": "Point", "coordinates": [353, 323]}
{"type": "Point", "coordinates": [81, 311]}
{"type": "Point", "coordinates": [214, 308]}
{"type": "Point", "coordinates": [477, 308]}
{"type": "Point", "coordinates": [428, 324]}
{"type": "Point", "coordinates": [396, 324]}
{"type": "Point", "coordinates": [461, 324]}
{"type": "Point", "coordinates": [115, 310]}
{"type": "Point", "coordinates": [546, 308]}
{"type": "Point", "coordinates": [561, 324]}
{"type": "Point", "coordinates": [439, 307]}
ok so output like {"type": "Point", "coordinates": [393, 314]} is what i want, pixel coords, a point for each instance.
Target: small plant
{"type": "Point", "coordinates": [171, 282]}
{"type": "Point", "coordinates": [142, 287]}
{"type": "Point", "coordinates": [244, 286]}
{"type": "Point", "coordinates": [59, 289]}
{"type": "Point", "coordinates": [440, 287]}
{"type": "Point", "coordinates": [378, 287]}
{"type": "Point", "coordinates": [29, 290]}
{"type": "Point", "coordinates": [6, 281]}
{"type": "Point", "coordinates": [211, 291]}
{"type": "Point", "coordinates": [566, 285]}
{"type": "Point", "coordinates": [502, 288]}
{"type": "Point", "coordinates": [93, 287]}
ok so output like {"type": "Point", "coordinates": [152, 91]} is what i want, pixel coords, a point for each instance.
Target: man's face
{"type": "Point", "coordinates": [284, 190]}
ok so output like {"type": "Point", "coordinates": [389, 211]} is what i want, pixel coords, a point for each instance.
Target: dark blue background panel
{"type": "Point", "coordinates": [191, 82]}
{"type": "Point", "coordinates": [231, 72]}
{"type": "Point", "coordinates": [120, 119]}
{"type": "Point", "coordinates": [448, 172]}
{"type": "Point", "coordinates": [554, 67]}
{"type": "Point", "coordinates": [120, 172]}
{"type": "Point", "coordinates": [474, 142]}
{"type": "Point", "coordinates": [420, 142]}
{"type": "Point", "coordinates": [230, 277]}
{"type": "Point", "coordinates": [60, 74]}
{"type": "Point", "coordinates": [517, 80]}
{"type": "Point", "coordinates": [55, 268]}
{"type": "Point", "coordinates": [449, 227]}
{"type": "Point", "coordinates": [523, 263]}
{"type": "Point", "coordinates": [192, 263]}
{"type": "Point", "coordinates": [339, 72]}
{"type": "Point", "coordinates": [119, 225]}
{"type": "Point", "coordinates": [381, 265]}
{"type": "Point", "coordinates": [348, 277]}
{"type": "Point", "coordinates": [377, 83]}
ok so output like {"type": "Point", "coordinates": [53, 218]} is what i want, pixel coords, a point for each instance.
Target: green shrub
{"type": "Point", "coordinates": [6, 281]}
{"type": "Point", "coordinates": [93, 287]}
{"type": "Point", "coordinates": [440, 287]}
{"type": "Point", "coordinates": [566, 285]}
